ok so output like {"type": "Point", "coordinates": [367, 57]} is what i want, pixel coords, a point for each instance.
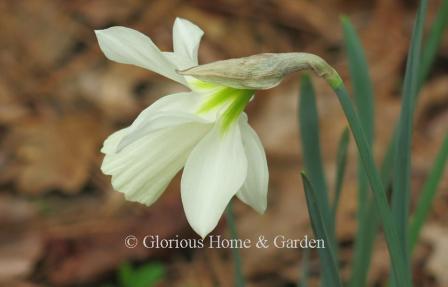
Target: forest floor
{"type": "Point", "coordinates": [61, 222]}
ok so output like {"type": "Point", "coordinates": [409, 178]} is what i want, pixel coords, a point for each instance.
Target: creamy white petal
{"type": "Point", "coordinates": [213, 174]}
{"type": "Point", "coordinates": [128, 46]}
{"type": "Point", "coordinates": [161, 120]}
{"type": "Point", "coordinates": [180, 61]}
{"type": "Point", "coordinates": [143, 169]}
{"type": "Point", "coordinates": [167, 111]}
{"type": "Point", "coordinates": [186, 39]}
{"type": "Point", "coordinates": [255, 189]}
{"type": "Point", "coordinates": [187, 102]}
{"type": "Point", "coordinates": [111, 143]}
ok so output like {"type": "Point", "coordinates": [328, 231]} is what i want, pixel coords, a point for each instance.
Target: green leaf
{"type": "Point", "coordinates": [320, 228]}
{"type": "Point", "coordinates": [366, 233]}
{"type": "Point", "coordinates": [433, 41]}
{"type": "Point", "coordinates": [125, 275]}
{"type": "Point", "coordinates": [424, 203]}
{"type": "Point", "coordinates": [341, 163]}
{"type": "Point", "coordinates": [365, 239]}
{"type": "Point", "coordinates": [305, 269]}
{"type": "Point", "coordinates": [360, 78]}
{"type": "Point", "coordinates": [402, 159]}
{"type": "Point", "coordinates": [427, 196]}
{"type": "Point", "coordinates": [309, 131]}
{"type": "Point", "coordinates": [364, 101]}
{"type": "Point", "coordinates": [236, 256]}
{"type": "Point", "coordinates": [363, 95]}
{"type": "Point", "coordinates": [428, 55]}
{"type": "Point", "coordinates": [395, 248]}
{"type": "Point", "coordinates": [149, 274]}
{"type": "Point", "coordinates": [144, 276]}
{"type": "Point", "coordinates": [387, 167]}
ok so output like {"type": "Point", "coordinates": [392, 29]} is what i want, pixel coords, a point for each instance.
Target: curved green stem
{"type": "Point", "coordinates": [396, 250]}
{"type": "Point", "coordinates": [265, 71]}
{"type": "Point", "coordinates": [237, 264]}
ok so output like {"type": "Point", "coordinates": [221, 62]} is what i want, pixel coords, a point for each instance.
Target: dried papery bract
{"type": "Point", "coordinates": [262, 71]}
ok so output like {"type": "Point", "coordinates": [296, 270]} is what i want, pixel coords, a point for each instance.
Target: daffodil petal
{"type": "Point", "coordinates": [186, 39]}
{"type": "Point", "coordinates": [143, 169]}
{"type": "Point", "coordinates": [181, 62]}
{"type": "Point", "coordinates": [128, 46]}
{"type": "Point", "coordinates": [187, 102]}
{"type": "Point", "coordinates": [167, 111]}
{"type": "Point", "coordinates": [110, 144]}
{"type": "Point", "coordinates": [255, 189]}
{"type": "Point", "coordinates": [213, 174]}
{"type": "Point", "coordinates": [158, 121]}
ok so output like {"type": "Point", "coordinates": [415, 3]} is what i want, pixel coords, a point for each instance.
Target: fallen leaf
{"type": "Point", "coordinates": [53, 153]}
{"type": "Point", "coordinates": [18, 256]}
{"type": "Point", "coordinates": [437, 236]}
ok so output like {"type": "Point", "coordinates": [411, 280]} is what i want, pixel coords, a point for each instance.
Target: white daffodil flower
{"type": "Point", "coordinates": [204, 131]}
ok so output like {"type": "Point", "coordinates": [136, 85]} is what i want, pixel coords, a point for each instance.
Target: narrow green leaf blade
{"type": "Point", "coordinates": [364, 101]}
{"type": "Point", "coordinates": [402, 158]}
{"type": "Point", "coordinates": [427, 196]}
{"type": "Point", "coordinates": [341, 163]}
{"type": "Point", "coordinates": [396, 250]}
{"type": "Point", "coordinates": [360, 78]}
{"type": "Point", "coordinates": [365, 239]}
{"type": "Point", "coordinates": [320, 228]}
{"type": "Point", "coordinates": [387, 166]}
{"type": "Point", "coordinates": [125, 275]}
{"type": "Point", "coordinates": [428, 55]}
{"type": "Point", "coordinates": [309, 131]}
{"type": "Point", "coordinates": [305, 269]}
{"type": "Point", "coordinates": [144, 276]}
{"type": "Point", "coordinates": [236, 256]}
{"type": "Point", "coordinates": [433, 41]}
{"type": "Point", "coordinates": [148, 275]}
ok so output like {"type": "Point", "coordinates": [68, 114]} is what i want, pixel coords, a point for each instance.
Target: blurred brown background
{"type": "Point", "coordinates": [61, 222]}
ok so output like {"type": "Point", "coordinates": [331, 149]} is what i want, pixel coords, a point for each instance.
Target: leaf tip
{"type": "Point", "coordinates": [344, 19]}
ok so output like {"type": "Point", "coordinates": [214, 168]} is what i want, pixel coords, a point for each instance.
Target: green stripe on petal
{"type": "Point", "coordinates": [198, 85]}
{"type": "Point", "coordinates": [241, 99]}
{"type": "Point", "coordinates": [217, 99]}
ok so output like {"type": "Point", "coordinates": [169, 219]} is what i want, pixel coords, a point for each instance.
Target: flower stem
{"type": "Point", "coordinates": [396, 250]}
{"type": "Point", "coordinates": [237, 264]}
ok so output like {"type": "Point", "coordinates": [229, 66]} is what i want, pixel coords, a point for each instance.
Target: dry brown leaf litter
{"type": "Point", "coordinates": [60, 97]}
